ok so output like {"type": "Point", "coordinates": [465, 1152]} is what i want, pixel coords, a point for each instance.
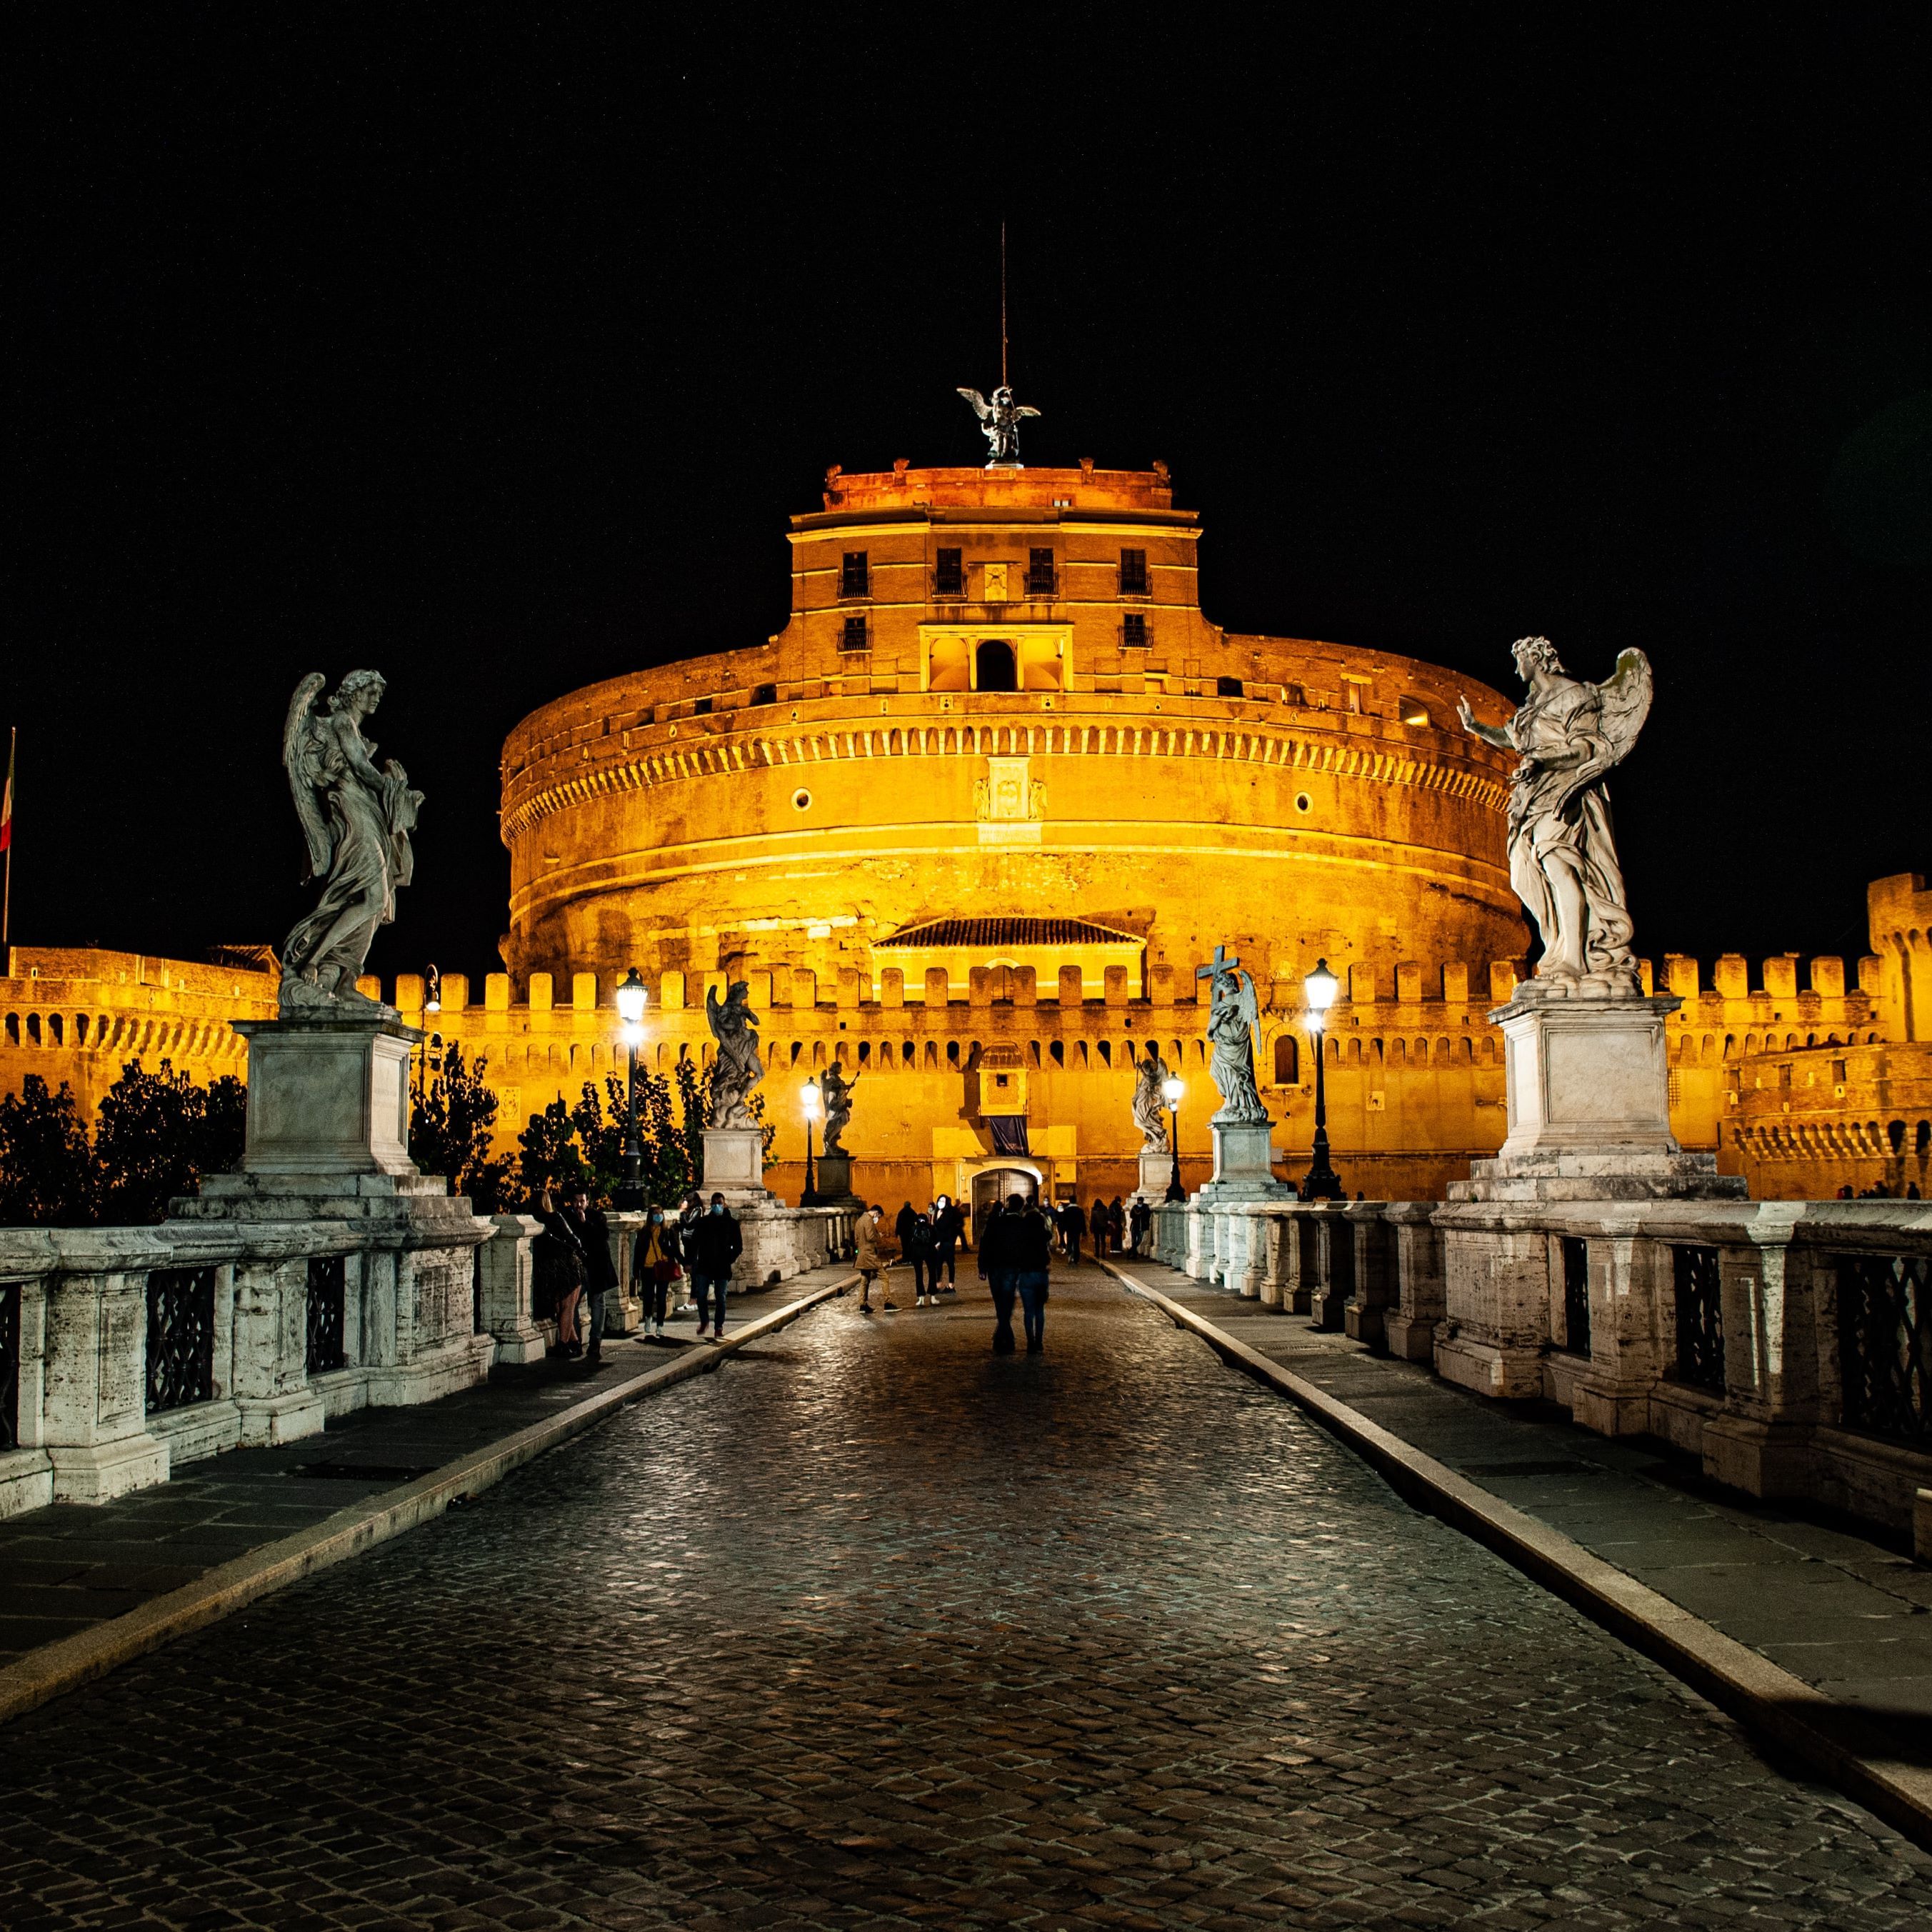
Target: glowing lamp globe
{"type": "Point", "coordinates": [631, 998]}
{"type": "Point", "coordinates": [1171, 1090]}
{"type": "Point", "coordinates": [1320, 988]}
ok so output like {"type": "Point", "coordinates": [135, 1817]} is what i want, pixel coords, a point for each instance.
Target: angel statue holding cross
{"type": "Point", "coordinates": [1234, 1020]}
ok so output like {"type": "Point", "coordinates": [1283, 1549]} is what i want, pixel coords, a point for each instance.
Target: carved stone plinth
{"type": "Point", "coordinates": [1156, 1172]}
{"type": "Point", "coordinates": [734, 1163]}
{"type": "Point", "coordinates": [834, 1181]}
{"type": "Point", "coordinates": [329, 1094]}
{"type": "Point", "coordinates": [1588, 1086]}
{"type": "Point", "coordinates": [1242, 1169]}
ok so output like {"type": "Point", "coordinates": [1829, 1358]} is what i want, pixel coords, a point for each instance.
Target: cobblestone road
{"type": "Point", "coordinates": [871, 1629]}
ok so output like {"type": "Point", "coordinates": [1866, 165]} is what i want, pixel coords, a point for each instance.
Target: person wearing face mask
{"type": "Point", "coordinates": [656, 1266]}
{"type": "Point", "coordinates": [710, 1249]}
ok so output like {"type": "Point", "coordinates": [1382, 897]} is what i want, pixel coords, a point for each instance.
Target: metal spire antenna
{"type": "Point", "coordinates": [1003, 304]}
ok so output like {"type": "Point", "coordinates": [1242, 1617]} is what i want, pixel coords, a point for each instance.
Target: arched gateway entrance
{"type": "Point", "coordinates": [995, 1183]}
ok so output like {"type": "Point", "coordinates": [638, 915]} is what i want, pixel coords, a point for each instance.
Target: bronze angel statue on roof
{"type": "Point", "coordinates": [357, 821]}
{"type": "Point", "coordinates": [1000, 423]}
{"type": "Point", "coordinates": [1562, 850]}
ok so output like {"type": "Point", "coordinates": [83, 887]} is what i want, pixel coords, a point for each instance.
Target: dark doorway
{"type": "Point", "coordinates": [993, 668]}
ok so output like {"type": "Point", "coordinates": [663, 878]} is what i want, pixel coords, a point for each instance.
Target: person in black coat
{"type": "Point", "coordinates": [1015, 1252]}
{"type": "Point", "coordinates": [919, 1248]}
{"type": "Point", "coordinates": [712, 1245]}
{"type": "Point", "coordinates": [1073, 1224]}
{"type": "Point", "coordinates": [949, 1228]}
{"type": "Point", "coordinates": [600, 1269]}
{"type": "Point", "coordinates": [561, 1269]}
{"type": "Point", "coordinates": [902, 1225]}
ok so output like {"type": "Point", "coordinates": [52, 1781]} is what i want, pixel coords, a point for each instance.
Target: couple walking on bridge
{"type": "Point", "coordinates": [1015, 1248]}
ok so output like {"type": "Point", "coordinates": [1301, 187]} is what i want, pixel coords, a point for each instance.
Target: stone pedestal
{"type": "Point", "coordinates": [1589, 1087]}
{"type": "Point", "coordinates": [1242, 1168]}
{"type": "Point", "coordinates": [834, 1181]}
{"type": "Point", "coordinates": [329, 1094]}
{"type": "Point", "coordinates": [506, 1268]}
{"type": "Point", "coordinates": [1157, 1173]}
{"type": "Point", "coordinates": [734, 1164]}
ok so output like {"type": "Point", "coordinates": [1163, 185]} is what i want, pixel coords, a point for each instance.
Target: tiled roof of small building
{"type": "Point", "coordinates": [1006, 934]}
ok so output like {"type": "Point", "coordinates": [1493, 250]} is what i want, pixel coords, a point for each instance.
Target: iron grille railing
{"type": "Point", "coordinates": [9, 1365]}
{"type": "Point", "coordinates": [328, 1297]}
{"type": "Point", "coordinates": [1885, 1345]}
{"type": "Point", "coordinates": [1576, 1295]}
{"type": "Point", "coordinates": [180, 1337]}
{"type": "Point", "coordinates": [1700, 1319]}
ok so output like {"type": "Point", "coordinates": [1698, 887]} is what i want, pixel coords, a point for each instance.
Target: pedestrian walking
{"type": "Point", "coordinates": [689, 1216]}
{"type": "Point", "coordinates": [558, 1270]}
{"type": "Point", "coordinates": [995, 1272]}
{"type": "Point", "coordinates": [655, 1267]}
{"type": "Point", "coordinates": [1074, 1221]}
{"type": "Point", "coordinates": [1140, 1222]}
{"type": "Point", "coordinates": [902, 1225]}
{"type": "Point", "coordinates": [600, 1269]}
{"type": "Point", "coordinates": [920, 1250]}
{"type": "Point", "coordinates": [1116, 1226]}
{"type": "Point", "coordinates": [948, 1228]}
{"type": "Point", "coordinates": [712, 1246]}
{"type": "Point", "coordinates": [872, 1254]}
{"type": "Point", "coordinates": [1016, 1252]}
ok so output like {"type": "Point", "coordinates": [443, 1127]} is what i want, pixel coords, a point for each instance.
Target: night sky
{"type": "Point", "coordinates": [496, 357]}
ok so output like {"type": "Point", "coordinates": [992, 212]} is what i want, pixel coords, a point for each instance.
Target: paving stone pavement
{"type": "Point", "coordinates": [872, 1629]}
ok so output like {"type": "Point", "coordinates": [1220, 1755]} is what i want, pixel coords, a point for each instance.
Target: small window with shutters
{"type": "Point", "coordinates": [854, 579]}
{"type": "Point", "coordinates": [1133, 573]}
{"type": "Point", "coordinates": [949, 574]}
{"type": "Point", "coordinates": [1040, 573]}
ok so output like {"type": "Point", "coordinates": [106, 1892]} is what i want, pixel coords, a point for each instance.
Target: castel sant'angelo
{"type": "Point", "coordinates": [969, 825]}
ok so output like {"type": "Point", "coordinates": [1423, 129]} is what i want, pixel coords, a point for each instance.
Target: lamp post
{"type": "Point", "coordinates": [631, 998]}
{"type": "Point", "coordinates": [1321, 1183]}
{"type": "Point", "coordinates": [1172, 1089]}
{"type": "Point", "coordinates": [432, 992]}
{"type": "Point", "coordinates": [808, 1099]}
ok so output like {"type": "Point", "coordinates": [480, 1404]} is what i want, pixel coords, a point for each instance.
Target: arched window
{"type": "Point", "coordinates": [1489, 1053]}
{"type": "Point", "coordinates": [1922, 1142]}
{"type": "Point", "coordinates": [1442, 1053]}
{"type": "Point", "coordinates": [993, 666]}
{"type": "Point", "coordinates": [1080, 1053]}
{"type": "Point", "coordinates": [13, 1029]}
{"type": "Point", "coordinates": [1032, 1046]}
{"type": "Point", "coordinates": [932, 1056]}
{"type": "Point", "coordinates": [1287, 1060]}
{"type": "Point", "coordinates": [1058, 1049]}
{"type": "Point", "coordinates": [80, 1029]}
{"type": "Point", "coordinates": [953, 1052]}
{"type": "Point", "coordinates": [865, 1052]}
{"type": "Point", "coordinates": [1105, 1049]}
{"type": "Point", "coordinates": [1414, 710]}
{"type": "Point", "coordinates": [33, 1029]}
{"type": "Point", "coordinates": [1895, 1133]}
{"type": "Point", "coordinates": [57, 1027]}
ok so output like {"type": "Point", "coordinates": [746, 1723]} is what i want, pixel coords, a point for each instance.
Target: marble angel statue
{"type": "Point", "coordinates": [1233, 1020]}
{"type": "Point", "coordinates": [738, 1068]}
{"type": "Point", "coordinates": [357, 820]}
{"type": "Point", "coordinates": [1150, 1103]}
{"type": "Point", "coordinates": [836, 1091]}
{"type": "Point", "coordinates": [1562, 850]}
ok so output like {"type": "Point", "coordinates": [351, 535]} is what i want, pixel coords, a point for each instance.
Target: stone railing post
{"type": "Point", "coordinates": [624, 1305]}
{"type": "Point", "coordinates": [1376, 1288]}
{"type": "Point", "coordinates": [507, 1269]}
{"type": "Point", "coordinates": [1334, 1265]}
{"type": "Point", "coordinates": [273, 1399]}
{"type": "Point", "coordinates": [26, 1470]}
{"type": "Point", "coordinates": [94, 1405]}
{"type": "Point", "coordinates": [1410, 1326]}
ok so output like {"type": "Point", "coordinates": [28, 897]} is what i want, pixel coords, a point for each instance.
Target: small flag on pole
{"type": "Point", "coordinates": [6, 799]}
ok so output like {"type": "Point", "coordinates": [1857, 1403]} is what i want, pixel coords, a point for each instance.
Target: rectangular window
{"type": "Point", "coordinates": [702, 708]}
{"type": "Point", "coordinates": [1134, 631]}
{"type": "Point", "coordinates": [854, 579]}
{"type": "Point", "coordinates": [1133, 573]}
{"type": "Point", "coordinates": [764, 694]}
{"type": "Point", "coordinates": [949, 574]}
{"type": "Point", "coordinates": [854, 637]}
{"type": "Point", "coordinates": [1040, 573]}
{"type": "Point", "coordinates": [1227, 687]}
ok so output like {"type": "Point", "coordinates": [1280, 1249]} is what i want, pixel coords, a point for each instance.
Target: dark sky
{"type": "Point", "coordinates": [495, 356]}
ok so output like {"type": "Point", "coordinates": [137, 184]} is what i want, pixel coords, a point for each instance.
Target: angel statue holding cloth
{"type": "Point", "coordinates": [357, 820]}
{"type": "Point", "coordinates": [1562, 850]}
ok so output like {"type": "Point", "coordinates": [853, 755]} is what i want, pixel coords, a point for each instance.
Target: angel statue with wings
{"type": "Point", "coordinates": [1233, 1020]}
{"type": "Point", "coordinates": [738, 1068]}
{"type": "Point", "coordinates": [1000, 422]}
{"type": "Point", "coordinates": [1562, 852]}
{"type": "Point", "coordinates": [836, 1091]}
{"type": "Point", "coordinates": [357, 821]}
{"type": "Point", "coordinates": [1150, 1103]}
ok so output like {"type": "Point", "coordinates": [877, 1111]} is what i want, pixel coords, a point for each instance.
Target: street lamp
{"type": "Point", "coordinates": [433, 991]}
{"type": "Point", "coordinates": [808, 1099]}
{"type": "Point", "coordinates": [631, 998]}
{"type": "Point", "coordinates": [1321, 1183]}
{"type": "Point", "coordinates": [1172, 1089]}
